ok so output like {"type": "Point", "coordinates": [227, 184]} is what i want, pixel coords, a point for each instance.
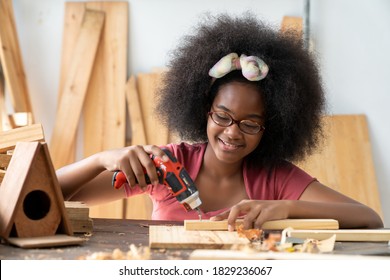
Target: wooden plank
{"type": "Point", "coordinates": [140, 206]}
{"type": "Point", "coordinates": [107, 78]}
{"type": "Point", "coordinates": [2, 175]}
{"type": "Point", "coordinates": [106, 92]}
{"type": "Point", "coordinates": [176, 237]}
{"type": "Point", "coordinates": [290, 23]}
{"type": "Point", "coordinates": [269, 225]}
{"type": "Point", "coordinates": [73, 18]}
{"type": "Point", "coordinates": [138, 136]}
{"type": "Point", "coordinates": [77, 210]}
{"type": "Point", "coordinates": [111, 210]}
{"type": "Point", "coordinates": [4, 161]}
{"type": "Point", "coordinates": [75, 87]}
{"type": "Point", "coordinates": [8, 139]}
{"type": "Point", "coordinates": [78, 214]}
{"type": "Point", "coordinates": [345, 162]}
{"type": "Point", "coordinates": [105, 105]}
{"type": "Point", "coordinates": [154, 133]}
{"type": "Point", "coordinates": [82, 226]}
{"type": "Point", "coordinates": [4, 119]}
{"type": "Point", "coordinates": [245, 255]}
{"type": "Point", "coordinates": [148, 85]}
{"type": "Point", "coordinates": [369, 235]}
{"type": "Point", "coordinates": [46, 241]}
{"type": "Point", "coordinates": [11, 59]}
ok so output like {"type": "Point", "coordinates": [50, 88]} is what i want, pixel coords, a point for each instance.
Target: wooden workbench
{"type": "Point", "coordinates": [110, 234]}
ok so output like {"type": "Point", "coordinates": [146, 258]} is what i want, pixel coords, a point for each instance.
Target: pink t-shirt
{"type": "Point", "coordinates": [284, 183]}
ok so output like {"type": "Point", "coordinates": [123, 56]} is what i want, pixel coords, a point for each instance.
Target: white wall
{"type": "Point", "coordinates": [351, 36]}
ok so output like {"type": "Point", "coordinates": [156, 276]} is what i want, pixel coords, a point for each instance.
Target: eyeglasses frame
{"type": "Point", "coordinates": [234, 121]}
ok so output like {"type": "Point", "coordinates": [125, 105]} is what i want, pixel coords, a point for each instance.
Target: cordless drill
{"type": "Point", "coordinates": [173, 175]}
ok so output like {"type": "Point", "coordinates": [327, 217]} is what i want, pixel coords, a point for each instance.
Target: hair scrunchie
{"type": "Point", "coordinates": [252, 67]}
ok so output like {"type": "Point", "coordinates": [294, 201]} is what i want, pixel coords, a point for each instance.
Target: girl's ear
{"type": "Point", "coordinates": [207, 115]}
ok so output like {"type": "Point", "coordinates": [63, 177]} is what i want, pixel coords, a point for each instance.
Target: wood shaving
{"type": "Point", "coordinates": [134, 253]}
{"type": "Point", "coordinates": [276, 242]}
{"type": "Point", "coordinates": [316, 246]}
{"type": "Point", "coordinates": [253, 234]}
{"type": "Point", "coordinates": [144, 225]}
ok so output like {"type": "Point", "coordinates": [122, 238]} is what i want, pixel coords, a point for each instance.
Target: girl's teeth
{"type": "Point", "coordinates": [230, 145]}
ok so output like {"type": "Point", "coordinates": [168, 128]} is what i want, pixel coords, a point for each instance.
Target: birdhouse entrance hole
{"type": "Point", "coordinates": [36, 205]}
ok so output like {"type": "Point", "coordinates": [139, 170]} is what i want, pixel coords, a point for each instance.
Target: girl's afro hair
{"type": "Point", "coordinates": [293, 94]}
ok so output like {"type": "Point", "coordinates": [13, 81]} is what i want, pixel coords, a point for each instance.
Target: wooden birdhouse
{"type": "Point", "coordinates": [32, 210]}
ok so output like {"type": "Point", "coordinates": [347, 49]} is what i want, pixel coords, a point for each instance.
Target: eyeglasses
{"type": "Point", "coordinates": [224, 119]}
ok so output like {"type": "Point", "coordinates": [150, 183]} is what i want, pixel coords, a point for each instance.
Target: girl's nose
{"type": "Point", "coordinates": [233, 131]}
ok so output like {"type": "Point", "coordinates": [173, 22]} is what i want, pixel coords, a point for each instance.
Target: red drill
{"type": "Point", "coordinates": [173, 175]}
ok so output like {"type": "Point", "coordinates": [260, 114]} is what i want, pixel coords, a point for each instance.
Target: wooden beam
{"type": "Point", "coordinates": [140, 206]}
{"type": "Point", "coordinates": [148, 85]}
{"type": "Point", "coordinates": [11, 59]}
{"type": "Point", "coordinates": [104, 112]}
{"type": "Point", "coordinates": [105, 105]}
{"type": "Point", "coordinates": [269, 225]}
{"type": "Point", "coordinates": [138, 136]}
{"type": "Point", "coordinates": [78, 214]}
{"type": "Point", "coordinates": [4, 119]}
{"type": "Point", "coordinates": [8, 139]}
{"type": "Point", "coordinates": [73, 19]}
{"type": "Point", "coordinates": [75, 87]}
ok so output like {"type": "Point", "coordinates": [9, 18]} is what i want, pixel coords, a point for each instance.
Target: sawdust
{"type": "Point", "coordinates": [253, 234]}
{"type": "Point", "coordinates": [276, 242]}
{"type": "Point", "coordinates": [134, 253]}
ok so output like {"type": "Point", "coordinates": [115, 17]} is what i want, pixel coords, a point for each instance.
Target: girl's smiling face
{"type": "Point", "coordinates": [242, 101]}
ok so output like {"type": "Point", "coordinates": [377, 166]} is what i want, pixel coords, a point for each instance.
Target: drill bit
{"type": "Point", "coordinates": [199, 213]}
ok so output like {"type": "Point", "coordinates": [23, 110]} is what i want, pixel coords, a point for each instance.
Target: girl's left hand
{"type": "Point", "coordinates": [254, 213]}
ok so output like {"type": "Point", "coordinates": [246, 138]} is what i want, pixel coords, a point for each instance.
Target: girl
{"type": "Point", "coordinates": [248, 101]}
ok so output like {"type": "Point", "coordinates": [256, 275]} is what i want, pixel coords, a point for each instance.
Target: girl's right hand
{"type": "Point", "coordinates": [133, 161]}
